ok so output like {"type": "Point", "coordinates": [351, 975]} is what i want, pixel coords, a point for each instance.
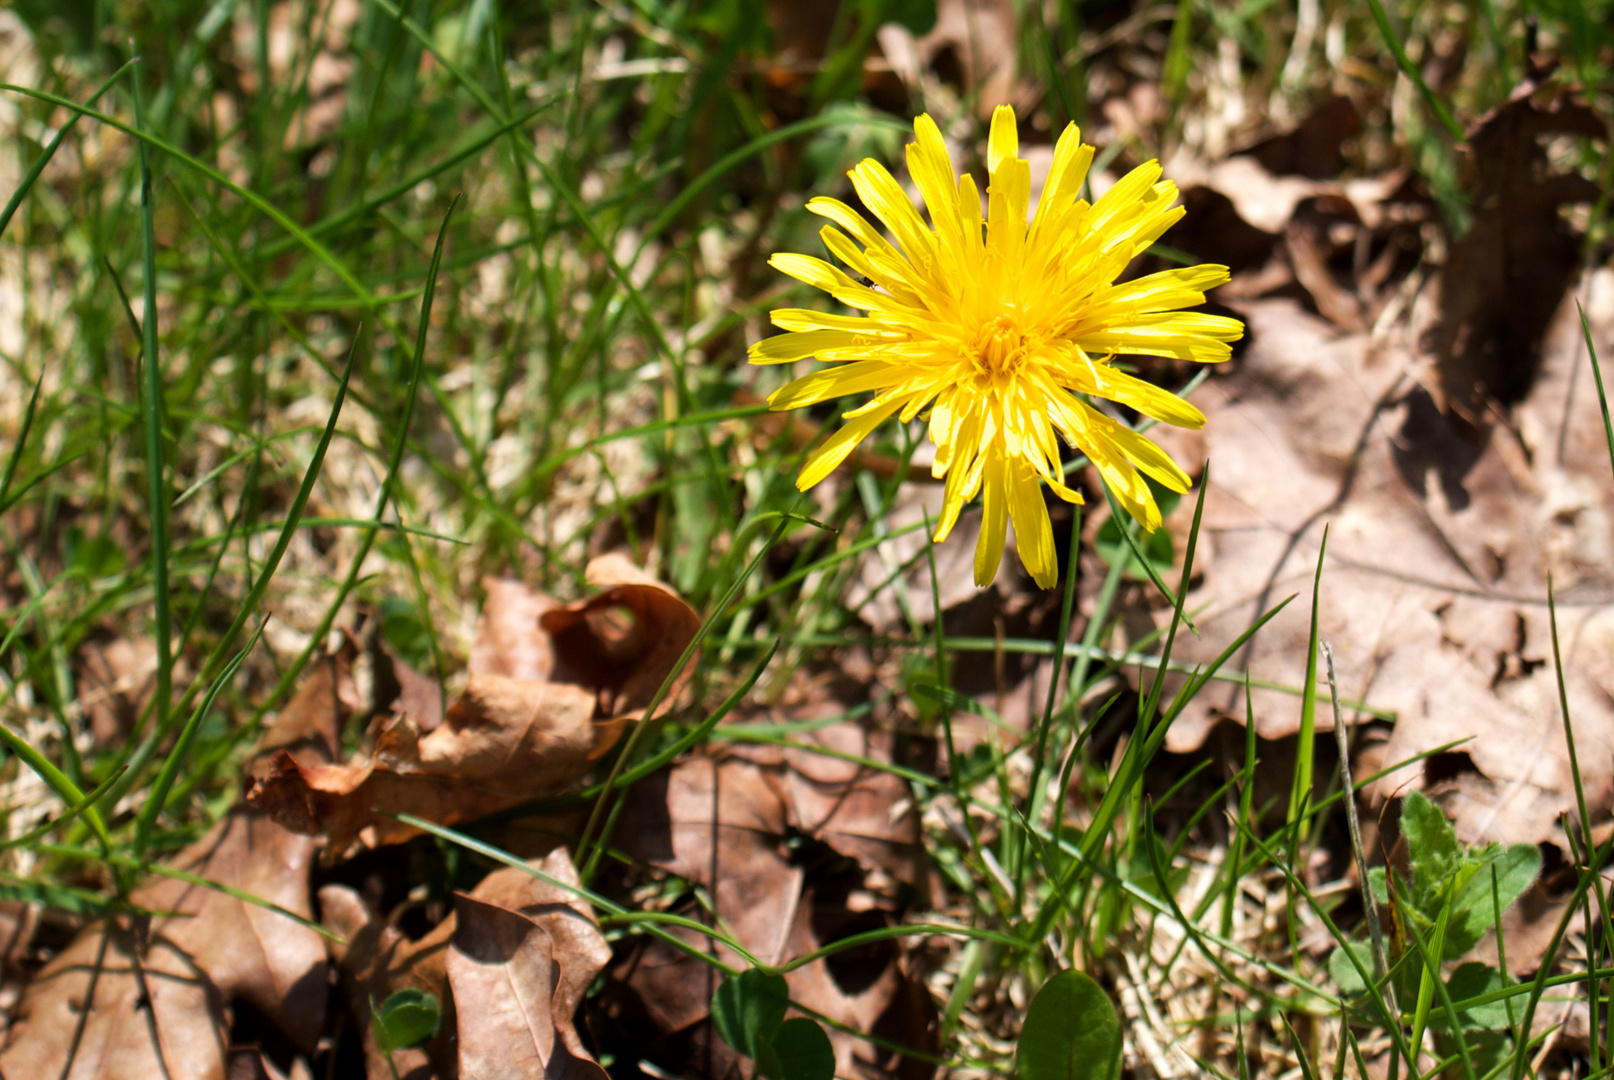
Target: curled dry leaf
{"type": "Point", "coordinates": [510, 966]}
{"type": "Point", "coordinates": [625, 640]}
{"type": "Point", "coordinates": [551, 689]}
{"type": "Point", "coordinates": [139, 997]}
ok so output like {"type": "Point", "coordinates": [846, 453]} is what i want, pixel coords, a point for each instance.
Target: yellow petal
{"type": "Point", "coordinates": [807, 319]}
{"type": "Point", "coordinates": [1110, 439]}
{"type": "Point", "coordinates": [1124, 483]}
{"type": "Point", "coordinates": [932, 171]}
{"type": "Point", "coordinates": [821, 275]}
{"type": "Point", "coordinates": [848, 219]}
{"type": "Point", "coordinates": [883, 196]}
{"type": "Point", "coordinates": [994, 521]}
{"type": "Point", "coordinates": [823, 461]}
{"type": "Point", "coordinates": [1033, 534]}
{"type": "Point", "coordinates": [784, 348]}
{"type": "Point", "coordinates": [854, 378]}
{"type": "Point", "coordinates": [1166, 290]}
{"type": "Point", "coordinates": [815, 272]}
{"type": "Point", "coordinates": [969, 218]}
{"type": "Point", "coordinates": [1184, 335]}
{"type": "Point", "coordinates": [1003, 142]}
{"type": "Point", "coordinates": [1150, 400]}
{"type": "Point", "coordinates": [964, 473]}
{"type": "Point", "coordinates": [1069, 171]}
{"type": "Point", "coordinates": [1008, 197]}
{"type": "Point", "coordinates": [1124, 197]}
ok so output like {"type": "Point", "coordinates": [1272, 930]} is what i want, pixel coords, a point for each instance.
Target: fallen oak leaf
{"type": "Point", "coordinates": [143, 996]}
{"type": "Point", "coordinates": [506, 741]}
{"type": "Point", "coordinates": [567, 919]}
{"type": "Point", "coordinates": [624, 641]}
{"type": "Point", "coordinates": [510, 737]}
{"type": "Point", "coordinates": [507, 965]}
{"type": "Point", "coordinates": [732, 821]}
{"type": "Point", "coordinates": [115, 1005]}
{"type": "Point", "coordinates": [515, 937]}
{"type": "Point", "coordinates": [377, 961]}
{"type": "Point", "coordinates": [1438, 555]}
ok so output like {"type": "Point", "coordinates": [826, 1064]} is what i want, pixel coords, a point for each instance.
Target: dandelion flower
{"type": "Point", "coordinates": [1002, 332]}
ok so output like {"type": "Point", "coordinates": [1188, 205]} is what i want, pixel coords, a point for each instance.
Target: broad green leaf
{"type": "Point", "coordinates": [1344, 972]}
{"type": "Point", "coordinates": [1473, 911]}
{"type": "Point", "coordinates": [408, 1018]}
{"type": "Point", "coordinates": [748, 1008]}
{"type": "Point", "coordinates": [1071, 1032]}
{"type": "Point", "coordinates": [801, 1051]}
{"type": "Point", "coordinates": [1432, 849]}
{"type": "Point", "coordinates": [1472, 980]}
{"type": "Point", "coordinates": [918, 16]}
{"type": "Point", "coordinates": [1378, 883]}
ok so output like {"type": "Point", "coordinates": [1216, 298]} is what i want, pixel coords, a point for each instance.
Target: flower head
{"type": "Point", "coordinates": [1003, 330]}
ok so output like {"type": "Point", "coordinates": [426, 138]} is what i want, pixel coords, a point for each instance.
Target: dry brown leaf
{"type": "Point", "coordinates": [509, 966]}
{"type": "Point", "coordinates": [134, 997]}
{"type": "Point", "coordinates": [869, 988]}
{"type": "Point", "coordinates": [17, 923]}
{"type": "Point", "coordinates": [399, 688]}
{"type": "Point", "coordinates": [116, 682]}
{"type": "Point", "coordinates": [115, 1005]}
{"type": "Point", "coordinates": [505, 741]}
{"type": "Point", "coordinates": [551, 689]}
{"type": "Point", "coordinates": [862, 812]}
{"type": "Point", "coordinates": [1438, 554]}
{"type": "Point", "coordinates": [506, 976]}
{"type": "Point", "coordinates": [508, 641]}
{"type": "Point", "coordinates": [579, 947]}
{"type": "Point", "coordinates": [721, 819]}
{"type": "Point", "coordinates": [1445, 525]}
{"type": "Point", "coordinates": [625, 640]}
{"type": "Point", "coordinates": [377, 961]}
{"type": "Point", "coordinates": [1506, 277]}
{"type": "Point", "coordinates": [979, 41]}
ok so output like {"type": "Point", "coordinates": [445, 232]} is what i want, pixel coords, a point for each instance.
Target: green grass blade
{"type": "Point", "coordinates": [294, 519]}
{"type": "Point", "coordinates": [605, 821]}
{"type": "Point", "coordinates": [288, 678]}
{"type": "Point", "coordinates": [1305, 748]}
{"type": "Point", "coordinates": [151, 407]}
{"type": "Point", "coordinates": [22, 441]}
{"type": "Point", "coordinates": [45, 155]}
{"type": "Point", "coordinates": [1597, 375]}
{"type": "Point", "coordinates": [1410, 70]}
{"type": "Point", "coordinates": [157, 797]}
{"type": "Point", "coordinates": [88, 802]}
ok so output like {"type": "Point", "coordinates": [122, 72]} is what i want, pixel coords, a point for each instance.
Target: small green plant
{"type": "Point", "coordinates": [1451, 896]}
{"type": "Point", "coordinates": [407, 1019]}
{"type": "Point", "coordinates": [748, 1011]}
{"type": "Point", "coordinates": [1071, 1032]}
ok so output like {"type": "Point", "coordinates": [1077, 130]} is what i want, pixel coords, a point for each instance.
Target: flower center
{"type": "Point", "coordinates": [1001, 347]}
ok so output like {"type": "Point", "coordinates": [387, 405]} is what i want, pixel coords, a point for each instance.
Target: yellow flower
{"type": "Point", "coordinates": [1000, 330]}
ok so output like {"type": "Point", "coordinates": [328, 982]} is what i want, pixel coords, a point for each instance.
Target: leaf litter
{"type": "Point", "coordinates": [540, 707]}
{"type": "Point", "coordinates": [148, 992]}
{"type": "Point", "coordinates": [788, 848]}
{"type": "Point", "coordinates": [1456, 469]}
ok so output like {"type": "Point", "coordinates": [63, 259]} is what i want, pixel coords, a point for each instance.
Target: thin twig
{"type": "Point", "coordinates": [1381, 964]}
